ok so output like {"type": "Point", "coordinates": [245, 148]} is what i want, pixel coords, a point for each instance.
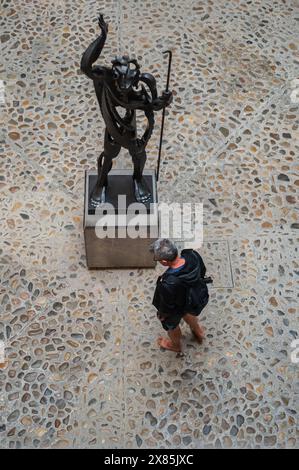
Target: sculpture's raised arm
{"type": "Point", "coordinates": [93, 52]}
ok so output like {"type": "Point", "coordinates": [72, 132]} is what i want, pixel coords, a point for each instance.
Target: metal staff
{"type": "Point", "coordinates": [163, 115]}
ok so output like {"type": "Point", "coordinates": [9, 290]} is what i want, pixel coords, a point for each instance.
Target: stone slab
{"type": "Point", "coordinates": [121, 251]}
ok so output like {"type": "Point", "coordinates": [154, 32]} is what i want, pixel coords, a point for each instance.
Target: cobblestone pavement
{"type": "Point", "coordinates": [82, 368]}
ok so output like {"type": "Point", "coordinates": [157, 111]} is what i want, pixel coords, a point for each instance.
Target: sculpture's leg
{"type": "Point", "coordinates": [111, 150]}
{"type": "Point", "coordinates": [142, 192]}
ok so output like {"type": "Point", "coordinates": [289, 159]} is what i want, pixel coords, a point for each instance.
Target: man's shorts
{"type": "Point", "coordinates": [171, 321]}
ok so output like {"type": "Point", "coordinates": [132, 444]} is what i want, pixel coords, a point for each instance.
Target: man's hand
{"type": "Point", "coordinates": [103, 25]}
{"type": "Point", "coordinates": [160, 316]}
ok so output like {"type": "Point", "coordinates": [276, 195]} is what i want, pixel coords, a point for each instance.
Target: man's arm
{"type": "Point", "coordinates": [93, 52]}
{"type": "Point", "coordinates": [173, 293]}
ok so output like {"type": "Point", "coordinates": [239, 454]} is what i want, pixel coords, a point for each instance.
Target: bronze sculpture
{"type": "Point", "coordinates": [124, 86]}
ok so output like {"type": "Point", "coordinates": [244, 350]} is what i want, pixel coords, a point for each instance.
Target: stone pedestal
{"type": "Point", "coordinates": [118, 218]}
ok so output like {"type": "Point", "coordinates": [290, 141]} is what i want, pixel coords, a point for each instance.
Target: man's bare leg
{"type": "Point", "coordinates": [174, 343]}
{"type": "Point", "coordinates": [195, 326]}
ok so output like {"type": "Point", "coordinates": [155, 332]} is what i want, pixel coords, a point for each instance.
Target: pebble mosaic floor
{"type": "Point", "coordinates": [82, 366]}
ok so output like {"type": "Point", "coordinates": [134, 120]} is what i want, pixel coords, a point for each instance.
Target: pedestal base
{"type": "Point", "coordinates": [121, 251]}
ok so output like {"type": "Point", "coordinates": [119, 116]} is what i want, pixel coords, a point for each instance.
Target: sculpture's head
{"type": "Point", "coordinates": [125, 72]}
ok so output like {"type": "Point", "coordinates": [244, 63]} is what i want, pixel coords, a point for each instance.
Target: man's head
{"type": "Point", "coordinates": [164, 251]}
{"type": "Point", "coordinates": [126, 73]}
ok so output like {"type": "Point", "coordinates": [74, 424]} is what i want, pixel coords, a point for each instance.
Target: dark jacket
{"type": "Point", "coordinates": [183, 291]}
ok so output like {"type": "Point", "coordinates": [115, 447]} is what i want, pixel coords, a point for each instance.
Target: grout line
{"type": "Point", "coordinates": [230, 263]}
{"type": "Point", "coordinates": [123, 306]}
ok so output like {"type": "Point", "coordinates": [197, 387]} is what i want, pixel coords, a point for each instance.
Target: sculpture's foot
{"type": "Point", "coordinates": [98, 196]}
{"type": "Point", "coordinates": [142, 192]}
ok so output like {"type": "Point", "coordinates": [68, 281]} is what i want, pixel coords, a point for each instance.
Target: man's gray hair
{"type": "Point", "coordinates": [164, 249]}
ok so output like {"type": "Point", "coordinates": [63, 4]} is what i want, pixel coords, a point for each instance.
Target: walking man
{"type": "Point", "coordinates": [181, 292]}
